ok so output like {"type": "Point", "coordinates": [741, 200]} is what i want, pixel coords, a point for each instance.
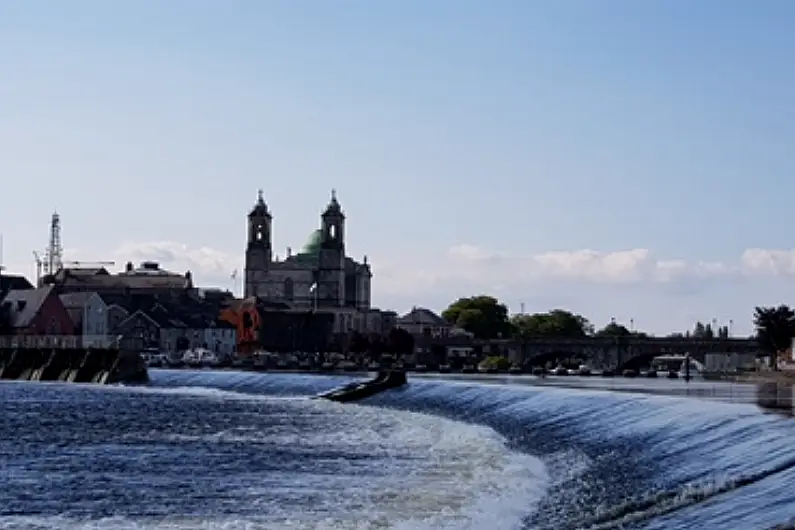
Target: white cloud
{"type": "Point", "coordinates": [769, 262]}
{"type": "Point", "coordinates": [468, 267]}
{"type": "Point", "coordinates": [179, 257]}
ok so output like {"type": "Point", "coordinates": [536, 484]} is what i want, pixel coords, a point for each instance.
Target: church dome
{"type": "Point", "coordinates": [312, 245]}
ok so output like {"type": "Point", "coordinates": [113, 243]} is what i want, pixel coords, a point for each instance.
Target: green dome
{"type": "Point", "coordinates": [313, 243]}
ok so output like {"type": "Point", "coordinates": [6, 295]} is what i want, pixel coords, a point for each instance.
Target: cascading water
{"type": "Point", "coordinates": [229, 449]}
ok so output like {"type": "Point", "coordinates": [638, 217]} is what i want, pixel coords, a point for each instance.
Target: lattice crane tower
{"type": "Point", "coordinates": [53, 259]}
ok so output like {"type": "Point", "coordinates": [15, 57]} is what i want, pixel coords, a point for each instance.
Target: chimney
{"type": "Point", "coordinates": [129, 267]}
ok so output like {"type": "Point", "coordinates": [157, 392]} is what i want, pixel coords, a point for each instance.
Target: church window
{"type": "Point", "coordinates": [333, 231]}
{"type": "Point", "coordinates": [289, 289]}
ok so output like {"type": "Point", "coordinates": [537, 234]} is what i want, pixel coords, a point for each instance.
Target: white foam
{"type": "Point", "coordinates": [458, 477]}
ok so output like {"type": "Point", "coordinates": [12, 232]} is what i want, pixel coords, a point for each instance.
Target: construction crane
{"type": "Point", "coordinates": [54, 255]}
{"type": "Point", "coordinates": [88, 263]}
{"type": "Point", "coordinates": [39, 267]}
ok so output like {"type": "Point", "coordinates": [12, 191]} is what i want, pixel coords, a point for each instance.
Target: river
{"type": "Point", "coordinates": [232, 450]}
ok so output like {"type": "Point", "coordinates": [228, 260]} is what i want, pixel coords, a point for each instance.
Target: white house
{"type": "Point", "coordinates": [89, 313]}
{"type": "Point", "coordinates": [221, 338]}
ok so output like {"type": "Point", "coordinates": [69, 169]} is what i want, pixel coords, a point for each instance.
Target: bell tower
{"type": "Point", "coordinates": [331, 263]}
{"type": "Point", "coordinates": [259, 250]}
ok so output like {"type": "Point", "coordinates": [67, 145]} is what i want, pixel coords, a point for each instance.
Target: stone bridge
{"type": "Point", "coordinates": [608, 352]}
{"type": "Point", "coordinates": [628, 352]}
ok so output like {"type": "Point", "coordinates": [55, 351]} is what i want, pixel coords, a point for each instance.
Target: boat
{"type": "Point", "coordinates": [385, 380]}
{"type": "Point", "coordinates": [560, 370]}
{"type": "Point", "coordinates": [515, 369]}
{"type": "Point", "coordinates": [445, 369]}
{"type": "Point", "coordinates": [584, 370]}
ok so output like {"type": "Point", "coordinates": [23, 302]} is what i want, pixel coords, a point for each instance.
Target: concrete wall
{"type": "Point", "coordinates": [72, 365]}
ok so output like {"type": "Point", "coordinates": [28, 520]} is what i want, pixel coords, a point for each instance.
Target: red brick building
{"type": "Point", "coordinates": [36, 312]}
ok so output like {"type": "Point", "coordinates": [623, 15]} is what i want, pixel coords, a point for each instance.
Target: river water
{"type": "Point", "coordinates": [228, 450]}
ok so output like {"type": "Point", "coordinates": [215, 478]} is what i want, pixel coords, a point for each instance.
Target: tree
{"type": "Point", "coordinates": [358, 343]}
{"type": "Point", "coordinates": [483, 316]}
{"type": "Point", "coordinates": [613, 330]}
{"type": "Point", "coordinates": [555, 323]}
{"type": "Point", "coordinates": [375, 346]}
{"type": "Point", "coordinates": [775, 328]}
{"type": "Point", "coordinates": [703, 331]}
{"type": "Point", "coordinates": [400, 342]}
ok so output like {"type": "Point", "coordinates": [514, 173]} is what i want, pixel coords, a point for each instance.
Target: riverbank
{"type": "Point", "coordinates": [787, 376]}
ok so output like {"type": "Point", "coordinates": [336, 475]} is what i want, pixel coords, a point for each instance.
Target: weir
{"type": "Point", "coordinates": [73, 365]}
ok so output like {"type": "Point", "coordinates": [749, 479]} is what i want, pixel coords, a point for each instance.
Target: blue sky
{"type": "Point", "coordinates": [476, 146]}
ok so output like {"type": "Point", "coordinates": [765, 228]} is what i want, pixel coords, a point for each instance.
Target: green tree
{"type": "Point", "coordinates": [775, 328]}
{"type": "Point", "coordinates": [400, 342]}
{"type": "Point", "coordinates": [358, 343]}
{"type": "Point", "coordinates": [555, 323]}
{"type": "Point", "coordinates": [483, 316]}
{"type": "Point", "coordinates": [375, 346]}
{"type": "Point", "coordinates": [613, 330]}
{"type": "Point", "coordinates": [703, 331]}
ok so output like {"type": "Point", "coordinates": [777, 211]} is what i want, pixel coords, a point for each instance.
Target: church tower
{"type": "Point", "coordinates": [259, 250]}
{"type": "Point", "coordinates": [331, 262]}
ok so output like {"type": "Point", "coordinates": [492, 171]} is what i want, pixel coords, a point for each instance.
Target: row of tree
{"type": "Point", "coordinates": [486, 318]}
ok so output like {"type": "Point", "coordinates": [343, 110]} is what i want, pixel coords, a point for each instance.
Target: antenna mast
{"type": "Point", "coordinates": [53, 260]}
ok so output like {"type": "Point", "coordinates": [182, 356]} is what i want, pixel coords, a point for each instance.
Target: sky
{"type": "Point", "coordinates": [619, 159]}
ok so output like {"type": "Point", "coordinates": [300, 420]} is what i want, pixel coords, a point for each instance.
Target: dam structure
{"type": "Point", "coordinates": [61, 358]}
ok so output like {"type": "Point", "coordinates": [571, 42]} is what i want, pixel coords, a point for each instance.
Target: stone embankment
{"type": "Point", "coordinates": [73, 365]}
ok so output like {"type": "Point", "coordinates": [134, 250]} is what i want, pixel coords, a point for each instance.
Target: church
{"type": "Point", "coordinates": [318, 278]}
